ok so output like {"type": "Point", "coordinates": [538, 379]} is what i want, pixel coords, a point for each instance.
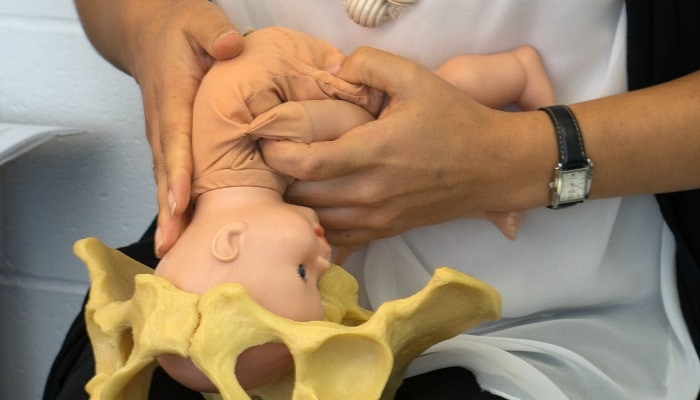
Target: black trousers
{"type": "Point", "coordinates": [74, 365]}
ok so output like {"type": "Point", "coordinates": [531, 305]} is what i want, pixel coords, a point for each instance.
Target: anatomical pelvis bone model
{"type": "Point", "coordinates": [133, 316]}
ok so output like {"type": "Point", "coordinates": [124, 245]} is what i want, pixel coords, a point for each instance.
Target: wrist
{"type": "Point", "coordinates": [572, 179]}
{"type": "Point", "coordinates": [533, 150]}
{"type": "Point", "coordinates": [141, 22]}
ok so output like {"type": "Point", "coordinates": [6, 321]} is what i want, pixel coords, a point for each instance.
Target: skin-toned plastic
{"type": "Point", "coordinates": [132, 317]}
{"type": "Point", "coordinates": [242, 230]}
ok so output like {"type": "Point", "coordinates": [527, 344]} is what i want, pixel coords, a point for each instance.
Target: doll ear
{"type": "Point", "coordinates": [226, 243]}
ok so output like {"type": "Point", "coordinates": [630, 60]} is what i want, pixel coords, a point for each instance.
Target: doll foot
{"type": "Point", "coordinates": [508, 222]}
{"type": "Point", "coordinates": [538, 90]}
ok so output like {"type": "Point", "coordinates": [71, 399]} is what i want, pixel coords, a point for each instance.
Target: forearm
{"type": "Point", "coordinates": [123, 30]}
{"type": "Point", "coordinates": [641, 142]}
{"type": "Point", "coordinates": [110, 25]}
{"type": "Point", "coordinates": [646, 141]}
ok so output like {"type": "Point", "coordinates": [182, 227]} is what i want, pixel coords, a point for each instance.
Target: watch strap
{"type": "Point", "coordinates": [569, 139]}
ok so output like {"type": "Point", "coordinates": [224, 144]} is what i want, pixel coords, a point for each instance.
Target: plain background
{"type": "Point", "coordinates": [95, 184]}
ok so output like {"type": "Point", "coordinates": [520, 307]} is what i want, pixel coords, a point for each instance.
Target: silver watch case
{"type": "Point", "coordinates": [570, 186]}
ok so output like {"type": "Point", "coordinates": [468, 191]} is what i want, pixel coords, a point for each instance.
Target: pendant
{"type": "Point", "coordinates": [372, 13]}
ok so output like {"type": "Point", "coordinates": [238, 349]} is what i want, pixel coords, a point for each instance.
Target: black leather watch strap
{"type": "Point", "coordinates": [569, 139]}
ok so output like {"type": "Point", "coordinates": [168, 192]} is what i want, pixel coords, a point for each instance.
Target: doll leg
{"type": "Point", "coordinates": [538, 91]}
{"type": "Point", "coordinates": [499, 79]}
{"type": "Point", "coordinates": [332, 118]}
{"type": "Point", "coordinates": [308, 121]}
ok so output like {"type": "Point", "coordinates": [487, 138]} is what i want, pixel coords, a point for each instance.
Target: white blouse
{"type": "Point", "coordinates": [590, 309]}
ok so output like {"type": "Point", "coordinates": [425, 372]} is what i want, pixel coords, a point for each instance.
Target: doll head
{"type": "Point", "coordinates": [278, 253]}
{"type": "Point", "coordinates": [249, 235]}
{"type": "Point", "coordinates": [275, 250]}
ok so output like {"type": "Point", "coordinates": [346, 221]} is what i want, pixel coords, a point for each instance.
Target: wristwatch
{"type": "Point", "coordinates": [573, 173]}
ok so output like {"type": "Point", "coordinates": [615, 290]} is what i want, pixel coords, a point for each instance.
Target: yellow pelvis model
{"type": "Point", "coordinates": [133, 316]}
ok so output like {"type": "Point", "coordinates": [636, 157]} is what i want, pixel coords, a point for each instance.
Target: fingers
{"type": "Point", "coordinates": [343, 252]}
{"type": "Point", "coordinates": [168, 223]}
{"type": "Point", "coordinates": [351, 227]}
{"type": "Point", "coordinates": [212, 32]}
{"type": "Point", "coordinates": [168, 122]}
{"type": "Point", "coordinates": [316, 161]}
{"type": "Point", "coordinates": [227, 45]}
{"type": "Point", "coordinates": [169, 229]}
{"type": "Point", "coordinates": [380, 70]}
{"type": "Point", "coordinates": [174, 142]}
{"type": "Point", "coordinates": [169, 73]}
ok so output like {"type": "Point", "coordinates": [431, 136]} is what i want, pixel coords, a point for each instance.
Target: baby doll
{"type": "Point", "coordinates": [241, 229]}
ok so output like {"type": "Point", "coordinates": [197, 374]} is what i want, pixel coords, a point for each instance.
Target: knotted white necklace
{"type": "Point", "coordinates": [371, 13]}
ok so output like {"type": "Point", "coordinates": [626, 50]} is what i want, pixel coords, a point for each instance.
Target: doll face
{"type": "Point", "coordinates": [283, 254]}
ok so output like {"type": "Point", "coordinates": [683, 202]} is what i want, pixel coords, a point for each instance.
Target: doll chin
{"type": "Point", "coordinates": [186, 373]}
{"type": "Point", "coordinates": [255, 367]}
{"type": "Point", "coordinates": [263, 364]}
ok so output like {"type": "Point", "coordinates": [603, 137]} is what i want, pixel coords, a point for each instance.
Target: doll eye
{"type": "Point", "coordinates": [301, 270]}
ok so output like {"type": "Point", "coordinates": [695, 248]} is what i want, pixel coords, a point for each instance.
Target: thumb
{"type": "Point", "coordinates": [315, 161]}
{"type": "Point", "coordinates": [378, 69]}
{"type": "Point", "coordinates": [215, 33]}
{"type": "Point", "coordinates": [227, 45]}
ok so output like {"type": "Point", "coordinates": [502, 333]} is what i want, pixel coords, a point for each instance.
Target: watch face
{"type": "Point", "coordinates": [573, 186]}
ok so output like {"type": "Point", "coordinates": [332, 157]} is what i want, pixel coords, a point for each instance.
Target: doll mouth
{"type": "Point", "coordinates": [320, 232]}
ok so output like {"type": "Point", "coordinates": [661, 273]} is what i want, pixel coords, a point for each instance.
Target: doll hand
{"type": "Point", "coordinates": [433, 155]}
{"type": "Point", "coordinates": [169, 56]}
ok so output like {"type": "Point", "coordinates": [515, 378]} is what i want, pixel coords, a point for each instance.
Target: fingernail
{"type": "Point", "coordinates": [228, 32]}
{"type": "Point", "coordinates": [158, 241]}
{"type": "Point", "coordinates": [171, 202]}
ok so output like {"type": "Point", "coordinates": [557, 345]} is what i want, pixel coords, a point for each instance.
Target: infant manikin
{"type": "Point", "coordinates": [241, 229]}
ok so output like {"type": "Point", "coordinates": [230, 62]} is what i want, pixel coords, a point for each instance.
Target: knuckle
{"type": "Point", "coordinates": [308, 168]}
{"type": "Point", "coordinates": [173, 133]}
{"type": "Point", "coordinates": [363, 53]}
{"type": "Point", "coordinates": [361, 57]}
{"type": "Point", "coordinates": [158, 165]}
{"type": "Point", "coordinates": [381, 221]}
{"type": "Point", "coordinates": [371, 195]}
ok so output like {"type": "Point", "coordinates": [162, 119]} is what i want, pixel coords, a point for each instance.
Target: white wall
{"type": "Point", "coordinates": [98, 184]}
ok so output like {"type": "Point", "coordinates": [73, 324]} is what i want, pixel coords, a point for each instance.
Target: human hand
{"type": "Point", "coordinates": [434, 154]}
{"type": "Point", "coordinates": [168, 56]}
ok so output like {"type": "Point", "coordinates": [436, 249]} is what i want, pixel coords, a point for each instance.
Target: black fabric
{"type": "Point", "coordinates": [164, 387]}
{"type": "Point", "coordinates": [663, 38]}
{"type": "Point", "coordinates": [664, 44]}
{"type": "Point", "coordinates": [73, 366]}
{"type": "Point", "coordinates": [453, 383]}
